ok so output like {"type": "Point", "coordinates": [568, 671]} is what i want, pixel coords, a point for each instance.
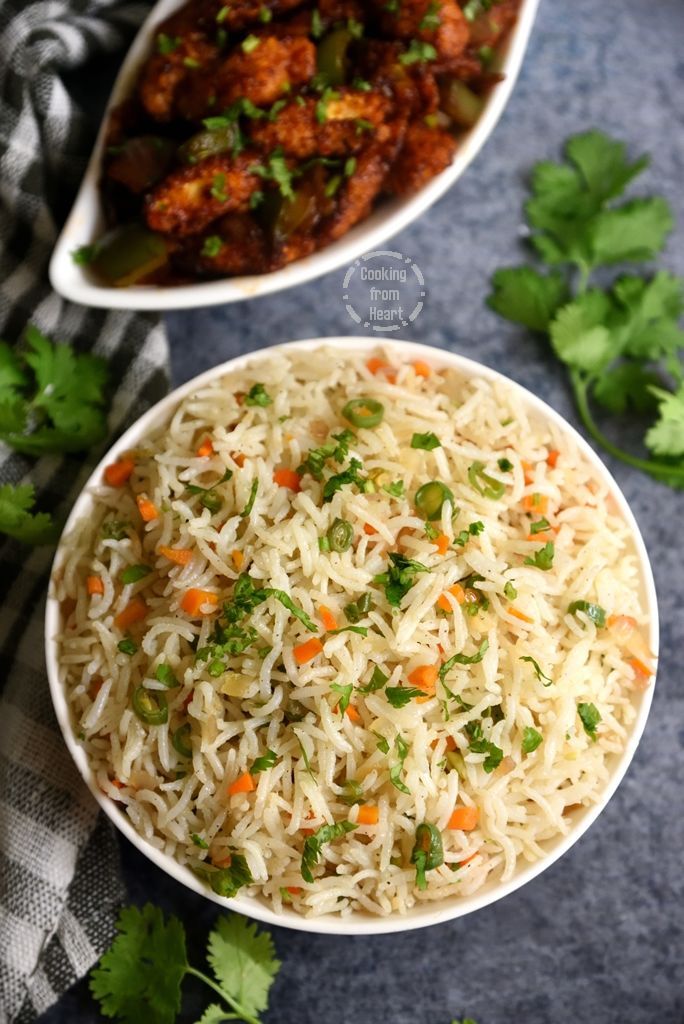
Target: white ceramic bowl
{"type": "Point", "coordinates": [85, 222]}
{"type": "Point", "coordinates": [358, 923]}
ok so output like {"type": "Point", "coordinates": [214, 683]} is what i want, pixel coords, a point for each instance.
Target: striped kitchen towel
{"type": "Point", "coordinates": [59, 880]}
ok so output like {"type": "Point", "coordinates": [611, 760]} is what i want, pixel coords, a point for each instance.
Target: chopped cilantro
{"type": "Point", "coordinates": [531, 739]}
{"type": "Point", "coordinates": [590, 717]}
{"type": "Point", "coordinates": [313, 845]}
{"type": "Point", "coordinates": [400, 577]}
{"type": "Point", "coordinates": [541, 676]}
{"type": "Point", "coordinates": [543, 559]}
{"type": "Point", "coordinates": [426, 442]}
{"type": "Point", "coordinates": [257, 395]}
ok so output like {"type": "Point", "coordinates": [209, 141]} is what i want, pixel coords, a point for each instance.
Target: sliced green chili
{"type": "Point", "coordinates": [430, 498]}
{"type": "Point", "coordinates": [179, 741]}
{"type": "Point", "coordinates": [364, 412]}
{"type": "Point", "coordinates": [340, 535]}
{"type": "Point", "coordinates": [150, 707]}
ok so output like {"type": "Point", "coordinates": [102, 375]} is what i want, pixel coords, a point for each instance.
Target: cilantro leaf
{"type": "Point", "coordinates": [541, 676]}
{"type": "Point", "coordinates": [17, 520]}
{"type": "Point", "coordinates": [464, 659]}
{"type": "Point", "coordinates": [603, 164]}
{"type": "Point", "coordinates": [635, 231]}
{"type": "Point", "coordinates": [531, 739]}
{"type": "Point", "coordinates": [627, 386]}
{"type": "Point", "coordinates": [140, 976]}
{"type": "Point", "coordinates": [243, 962]}
{"type": "Point", "coordinates": [647, 311]}
{"type": "Point", "coordinates": [345, 692]}
{"type": "Point", "coordinates": [527, 297]}
{"type": "Point", "coordinates": [228, 881]}
{"type": "Point", "coordinates": [579, 335]}
{"type": "Point", "coordinates": [427, 442]}
{"type": "Point", "coordinates": [590, 716]}
{"type": "Point", "coordinates": [402, 749]}
{"type": "Point", "coordinates": [543, 558]}
{"type": "Point", "coordinates": [262, 764]}
{"type": "Point", "coordinates": [12, 377]}
{"type": "Point", "coordinates": [376, 682]}
{"type": "Point", "coordinates": [400, 696]}
{"type": "Point", "coordinates": [400, 577]}
{"type": "Point", "coordinates": [216, 1014]}
{"type": "Point", "coordinates": [258, 396]}
{"type": "Point", "coordinates": [314, 844]}
{"type": "Point", "coordinates": [666, 436]}
{"type": "Point", "coordinates": [479, 745]}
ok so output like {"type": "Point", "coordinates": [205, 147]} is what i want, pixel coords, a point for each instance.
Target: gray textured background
{"type": "Point", "coordinates": [598, 938]}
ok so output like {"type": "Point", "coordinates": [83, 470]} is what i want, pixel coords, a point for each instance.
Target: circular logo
{"type": "Point", "coordinates": [384, 290]}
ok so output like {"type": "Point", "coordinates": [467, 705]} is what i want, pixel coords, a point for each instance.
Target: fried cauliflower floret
{"type": "Point", "coordinates": [334, 125]}
{"type": "Point", "coordinates": [263, 75]}
{"type": "Point", "coordinates": [238, 14]}
{"type": "Point", "coordinates": [425, 153]}
{"type": "Point", "coordinates": [356, 197]}
{"type": "Point", "coordinates": [189, 199]}
{"type": "Point", "coordinates": [438, 22]}
{"type": "Point", "coordinates": [166, 74]}
{"type": "Point", "coordinates": [235, 244]}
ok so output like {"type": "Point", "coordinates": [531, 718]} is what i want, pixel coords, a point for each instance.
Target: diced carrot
{"type": "Point", "coordinates": [96, 684]}
{"type": "Point", "coordinates": [238, 458]}
{"type": "Point", "coordinates": [528, 470]}
{"type": "Point", "coordinates": [641, 670]}
{"type": "Point", "coordinates": [622, 624]}
{"type": "Point", "coordinates": [424, 677]}
{"type": "Point", "coordinates": [238, 558]}
{"type": "Point", "coordinates": [370, 530]}
{"type": "Point", "coordinates": [307, 831]}
{"type": "Point", "coordinates": [464, 818]}
{"type": "Point", "coordinates": [462, 863]}
{"type": "Point", "coordinates": [294, 890]}
{"type": "Point", "coordinates": [119, 472]}
{"type": "Point", "coordinates": [520, 615]}
{"type": "Point", "coordinates": [451, 743]}
{"type": "Point", "coordinates": [118, 784]}
{"type": "Point", "coordinates": [376, 365]}
{"type": "Point", "coordinates": [181, 556]}
{"type": "Point", "coordinates": [542, 537]}
{"type": "Point", "coordinates": [307, 651]}
{"type": "Point", "coordinates": [94, 585]}
{"type": "Point", "coordinates": [288, 478]}
{"type": "Point", "coordinates": [222, 862]}
{"type": "Point", "coordinates": [353, 715]}
{"type": "Point", "coordinates": [243, 784]}
{"type": "Point", "coordinates": [552, 458]}
{"type": "Point", "coordinates": [205, 449]}
{"type": "Point", "coordinates": [368, 814]}
{"type": "Point", "coordinates": [442, 543]}
{"type": "Point", "coordinates": [148, 510]}
{"type": "Point", "coordinates": [537, 503]}
{"type": "Point", "coordinates": [135, 611]}
{"type": "Point", "coordinates": [327, 618]}
{"type": "Point", "coordinates": [457, 591]}
{"type": "Point", "coordinates": [194, 599]}
{"type": "Point", "coordinates": [421, 369]}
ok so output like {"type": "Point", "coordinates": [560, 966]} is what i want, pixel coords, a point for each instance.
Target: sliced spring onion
{"type": "Point", "coordinates": [593, 611]}
{"type": "Point", "coordinates": [133, 573]}
{"type": "Point", "coordinates": [484, 484]}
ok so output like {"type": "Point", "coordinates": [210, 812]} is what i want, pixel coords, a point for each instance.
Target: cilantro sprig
{"type": "Point", "coordinates": [17, 519]}
{"type": "Point", "coordinates": [622, 343]}
{"type": "Point", "coordinates": [51, 398]}
{"type": "Point", "coordinates": [140, 976]}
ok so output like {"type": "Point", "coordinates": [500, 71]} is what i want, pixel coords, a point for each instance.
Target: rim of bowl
{"type": "Point", "coordinates": [357, 923]}
{"type": "Point", "coordinates": [85, 217]}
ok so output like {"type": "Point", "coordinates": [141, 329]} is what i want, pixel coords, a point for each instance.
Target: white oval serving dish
{"type": "Point", "coordinates": [85, 222]}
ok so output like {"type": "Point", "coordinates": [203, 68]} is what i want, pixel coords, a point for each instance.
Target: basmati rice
{"type": "Point", "coordinates": [237, 708]}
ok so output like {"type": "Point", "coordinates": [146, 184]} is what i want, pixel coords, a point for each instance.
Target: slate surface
{"type": "Point", "coordinates": [598, 938]}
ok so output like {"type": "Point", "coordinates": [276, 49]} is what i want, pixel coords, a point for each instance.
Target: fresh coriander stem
{"type": "Point", "coordinates": [240, 1013]}
{"type": "Point", "coordinates": [580, 387]}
